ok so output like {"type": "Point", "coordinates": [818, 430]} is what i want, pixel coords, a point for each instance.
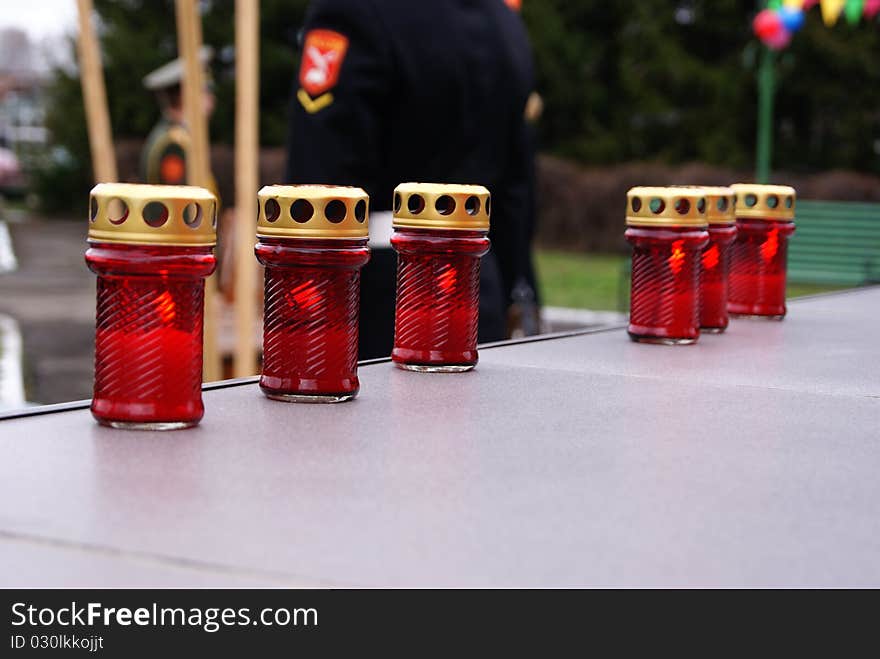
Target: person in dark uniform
{"type": "Point", "coordinates": [391, 91]}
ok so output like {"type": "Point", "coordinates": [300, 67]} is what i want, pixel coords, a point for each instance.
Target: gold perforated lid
{"type": "Point", "coordinates": [312, 211]}
{"type": "Point", "coordinates": [720, 204]}
{"type": "Point", "coordinates": [670, 207]}
{"type": "Point", "coordinates": [134, 214]}
{"type": "Point", "coordinates": [765, 202]}
{"type": "Point", "coordinates": [440, 206]}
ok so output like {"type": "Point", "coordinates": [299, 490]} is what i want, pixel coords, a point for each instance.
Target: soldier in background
{"type": "Point", "coordinates": [163, 159]}
{"type": "Point", "coordinates": [391, 91]}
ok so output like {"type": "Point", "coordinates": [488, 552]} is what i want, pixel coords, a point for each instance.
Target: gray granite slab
{"type": "Point", "coordinates": [35, 563]}
{"type": "Point", "coordinates": [828, 344]}
{"type": "Point", "coordinates": [522, 473]}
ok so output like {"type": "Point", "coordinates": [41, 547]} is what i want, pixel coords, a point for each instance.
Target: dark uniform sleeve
{"type": "Point", "coordinates": [340, 96]}
{"type": "Point", "coordinates": [512, 215]}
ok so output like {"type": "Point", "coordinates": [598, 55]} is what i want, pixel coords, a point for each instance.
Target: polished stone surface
{"type": "Point", "coordinates": [828, 344]}
{"type": "Point", "coordinates": [748, 459]}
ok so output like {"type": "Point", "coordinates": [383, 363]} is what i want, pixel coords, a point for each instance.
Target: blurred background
{"type": "Point", "coordinates": [634, 92]}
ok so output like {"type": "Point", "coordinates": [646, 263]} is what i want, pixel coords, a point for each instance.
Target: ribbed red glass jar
{"type": "Point", "coordinates": [152, 248]}
{"type": "Point", "coordinates": [440, 234]}
{"type": "Point", "coordinates": [667, 230]}
{"type": "Point", "coordinates": [313, 242]}
{"type": "Point", "coordinates": [715, 259]}
{"type": "Point", "coordinates": [758, 269]}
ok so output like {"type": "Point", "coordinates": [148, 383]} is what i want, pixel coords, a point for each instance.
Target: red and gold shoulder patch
{"type": "Point", "coordinates": [323, 54]}
{"type": "Point", "coordinates": [172, 169]}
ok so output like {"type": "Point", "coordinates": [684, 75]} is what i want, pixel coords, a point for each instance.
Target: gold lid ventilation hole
{"type": "Point", "coordinates": [135, 214]}
{"type": "Point", "coordinates": [670, 207]}
{"type": "Point", "coordinates": [720, 204]}
{"type": "Point", "coordinates": [766, 202]}
{"type": "Point", "coordinates": [313, 211]}
{"type": "Point", "coordinates": [442, 206]}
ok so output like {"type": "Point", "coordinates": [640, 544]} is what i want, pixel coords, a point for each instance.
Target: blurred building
{"type": "Point", "coordinates": [23, 80]}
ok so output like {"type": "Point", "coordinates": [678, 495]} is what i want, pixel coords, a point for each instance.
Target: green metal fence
{"type": "Point", "coordinates": [835, 243]}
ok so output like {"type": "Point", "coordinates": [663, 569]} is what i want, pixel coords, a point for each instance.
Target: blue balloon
{"type": "Point", "coordinates": [792, 19]}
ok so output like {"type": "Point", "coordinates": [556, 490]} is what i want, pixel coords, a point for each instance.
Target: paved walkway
{"type": "Point", "coordinates": [11, 379]}
{"type": "Point", "coordinates": [51, 296]}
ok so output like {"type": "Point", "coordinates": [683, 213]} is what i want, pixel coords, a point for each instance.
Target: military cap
{"type": "Point", "coordinates": [170, 74]}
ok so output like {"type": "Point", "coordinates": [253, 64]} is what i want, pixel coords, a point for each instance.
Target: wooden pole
{"type": "Point", "coordinates": [189, 43]}
{"type": "Point", "coordinates": [246, 175]}
{"type": "Point", "coordinates": [95, 96]}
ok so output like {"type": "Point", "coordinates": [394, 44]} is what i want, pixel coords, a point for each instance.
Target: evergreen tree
{"type": "Point", "coordinates": [666, 80]}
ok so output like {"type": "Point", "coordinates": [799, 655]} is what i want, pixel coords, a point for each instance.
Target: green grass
{"type": "Point", "coordinates": [582, 281]}
{"type": "Point", "coordinates": [593, 281]}
{"type": "Point", "coordinates": [799, 290]}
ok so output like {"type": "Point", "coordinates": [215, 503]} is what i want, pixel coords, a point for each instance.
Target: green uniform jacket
{"type": "Point", "coordinates": [163, 160]}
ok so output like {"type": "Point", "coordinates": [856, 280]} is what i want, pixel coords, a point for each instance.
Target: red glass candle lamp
{"type": "Point", "coordinates": [758, 268]}
{"type": "Point", "coordinates": [715, 259]}
{"type": "Point", "coordinates": [440, 234]}
{"type": "Point", "coordinates": [313, 241]}
{"type": "Point", "coordinates": [152, 248]}
{"type": "Point", "coordinates": [667, 229]}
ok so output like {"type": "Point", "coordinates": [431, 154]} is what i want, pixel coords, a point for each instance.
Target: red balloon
{"type": "Point", "coordinates": [767, 24]}
{"type": "Point", "coordinates": [779, 40]}
{"type": "Point", "coordinates": [808, 4]}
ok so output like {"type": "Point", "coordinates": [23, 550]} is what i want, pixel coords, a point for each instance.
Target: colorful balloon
{"type": "Point", "coordinates": [767, 24]}
{"type": "Point", "coordinates": [872, 8]}
{"type": "Point", "coordinates": [831, 10]}
{"type": "Point", "coordinates": [779, 40]}
{"type": "Point", "coordinates": [792, 19]}
{"type": "Point", "coordinates": [809, 4]}
{"type": "Point", "coordinates": [853, 11]}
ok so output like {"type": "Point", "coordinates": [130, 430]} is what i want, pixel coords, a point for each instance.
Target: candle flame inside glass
{"type": "Point", "coordinates": [165, 307]}
{"type": "Point", "coordinates": [676, 259]}
{"type": "Point", "coordinates": [710, 258]}
{"type": "Point", "coordinates": [305, 296]}
{"type": "Point", "coordinates": [770, 246]}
